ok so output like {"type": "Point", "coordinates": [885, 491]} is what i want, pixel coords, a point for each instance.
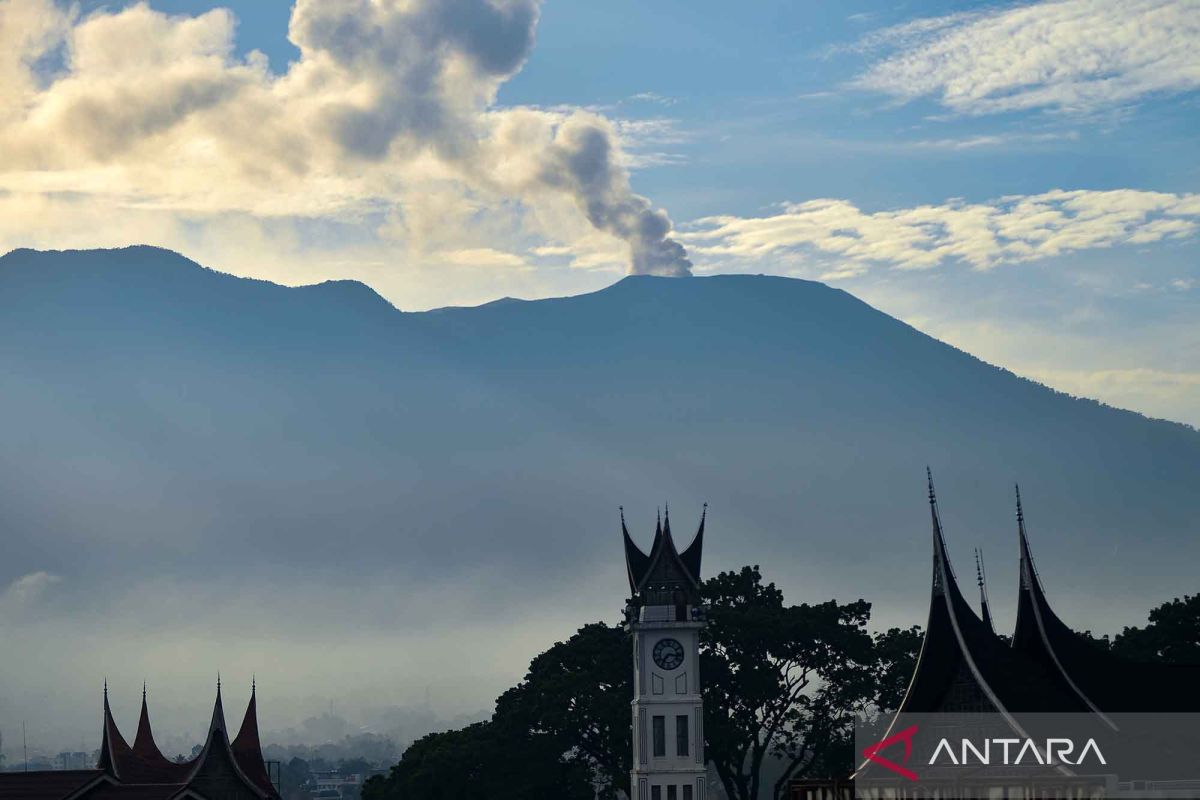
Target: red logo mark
{"type": "Point", "coordinates": [872, 753]}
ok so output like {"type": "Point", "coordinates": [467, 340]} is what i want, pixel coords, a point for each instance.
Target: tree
{"type": "Point", "coordinates": [1173, 634]}
{"type": "Point", "coordinates": [577, 695]}
{"type": "Point", "coordinates": [481, 760]}
{"type": "Point", "coordinates": [896, 652]}
{"type": "Point", "coordinates": [293, 775]}
{"type": "Point", "coordinates": [781, 681]}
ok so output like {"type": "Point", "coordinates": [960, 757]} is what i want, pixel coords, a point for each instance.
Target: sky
{"type": "Point", "coordinates": [1016, 179]}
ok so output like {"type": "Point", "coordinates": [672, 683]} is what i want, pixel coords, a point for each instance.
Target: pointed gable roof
{"type": "Point", "coordinates": [635, 560]}
{"type": "Point", "coordinates": [217, 758]}
{"type": "Point", "coordinates": [114, 750]}
{"type": "Point", "coordinates": [1104, 682]}
{"type": "Point", "coordinates": [247, 748]}
{"type": "Point", "coordinates": [665, 565]}
{"type": "Point", "coordinates": [143, 743]}
{"type": "Point", "coordinates": [146, 763]}
{"type": "Point", "coordinates": [692, 555]}
{"type": "Point", "coordinates": [963, 665]}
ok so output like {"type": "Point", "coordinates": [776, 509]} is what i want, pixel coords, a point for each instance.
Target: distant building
{"type": "Point", "coordinates": [334, 785]}
{"type": "Point", "coordinates": [224, 769]}
{"type": "Point", "coordinates": [665, 617]}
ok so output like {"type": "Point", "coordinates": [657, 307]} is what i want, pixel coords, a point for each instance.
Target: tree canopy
{"type": "Point", "coordinates": [1172, 635]}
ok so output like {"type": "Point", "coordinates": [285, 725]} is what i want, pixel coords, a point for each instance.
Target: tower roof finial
{"type": "Point", "coordinates": [978, 569]}
{"type": "Point", "coordinates": [1020, 513]}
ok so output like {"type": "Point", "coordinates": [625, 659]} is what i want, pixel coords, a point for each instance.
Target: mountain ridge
{"type": "Point", "coordinates": [354, 291]}
{"type": "Point", "coordinates": [224, 420]}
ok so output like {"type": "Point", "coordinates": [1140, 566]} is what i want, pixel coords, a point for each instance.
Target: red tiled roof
{"type": "Point", "coordinates": [247, 750]}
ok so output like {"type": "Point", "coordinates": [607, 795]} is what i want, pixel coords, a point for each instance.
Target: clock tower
{"type": "Point", "coordinates": [665, 616]}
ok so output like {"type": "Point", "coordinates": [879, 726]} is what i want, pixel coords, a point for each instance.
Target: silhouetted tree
{"type": "Point", "coordinates": [293, 775]}
{"type": "Point", "coordinates": [577, 694]}
{"type": "Point", "coordinates": [1173, 634]}
{"type": "Point", "coordinates": [482, 760]}
{"type": "Point", "coordinates": [896, 652]}
{"type": "Point", "coordinates": [781, 681]}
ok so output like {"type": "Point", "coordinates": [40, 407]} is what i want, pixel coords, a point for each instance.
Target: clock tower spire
{"type": "Point", "coordinates": [664, 616]}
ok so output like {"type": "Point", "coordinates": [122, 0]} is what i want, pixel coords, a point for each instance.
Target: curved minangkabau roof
{"type": "Point", "coordinates": [218, 754]}
{"type": "Point", "coordinates": [664, 563]}
{"type": "Point", "coordinates": [958, 643]}
{"type": "Point", "coordinates": [114, 750]}
{"type": "Point", "coordinates": [1105, 683]}
{"type": "Point", "coordinates": [247, 748]}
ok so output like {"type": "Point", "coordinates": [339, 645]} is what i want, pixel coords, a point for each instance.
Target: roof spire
{"type": "Point", "coordinates": [1028, 571]}
{"type": "Point", "coordinates": [981, 579]}
{"type": "Point", "coordinates": [943, 573]}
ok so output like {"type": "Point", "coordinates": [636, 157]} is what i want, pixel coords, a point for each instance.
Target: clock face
{"type": "Point", "coordinates": [668, 654]}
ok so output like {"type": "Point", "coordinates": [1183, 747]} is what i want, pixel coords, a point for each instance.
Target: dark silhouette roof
{"type": "Point", "coordinates": [665, 564]}
{"type": "Point", "coordinates": [1105, 683]}
{"type": "Point", "coordinates": [53, 785]}
{"type": "Point", "coordinates": [963, 666]}
{"type": "Point", "coordinates": [142, 772]}
{"type": "Point", "coordinates": [247, 749]}
{"type": "Point", "coordinates": [114, 750]}
{"type": "Point", "coordinates": [635, 559]}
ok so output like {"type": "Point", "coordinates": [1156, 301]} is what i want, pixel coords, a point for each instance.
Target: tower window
{"type": "Point", "coordinates": [655, 793]}
{"type": "Point", "coordinates": [687, 793]}
{"type": "Point", "coordinates": [660, 736]}
{"type": "Point", "coordinates": [671, 795]}
{"type": "Point", "coordinates": [681, 735]}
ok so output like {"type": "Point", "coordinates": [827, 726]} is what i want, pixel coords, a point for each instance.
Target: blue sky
{"type": "Point", "coordinates": [1017, 179]}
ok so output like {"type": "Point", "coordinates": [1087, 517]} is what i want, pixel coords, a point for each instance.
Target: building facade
{"type": "Point", "coordinates": [665, 616]}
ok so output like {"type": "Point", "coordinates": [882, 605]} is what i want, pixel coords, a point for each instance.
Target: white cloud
{"type": "Point", "coordinates": [388, 112]}
{"type": "Point", "coordinates": [983, 235]}
{"type": "Point", "coordinates": [25, 591]}
{"type": "Point", "coordinates": [1070, 55]}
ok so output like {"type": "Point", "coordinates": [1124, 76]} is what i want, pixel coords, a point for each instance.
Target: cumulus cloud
{"type": "Point", "coordinates": [389, 109]}
{"type": "Point", "coordinates": [1071, 55]}
{"type": "Point", "coordinates": [982, 235]}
